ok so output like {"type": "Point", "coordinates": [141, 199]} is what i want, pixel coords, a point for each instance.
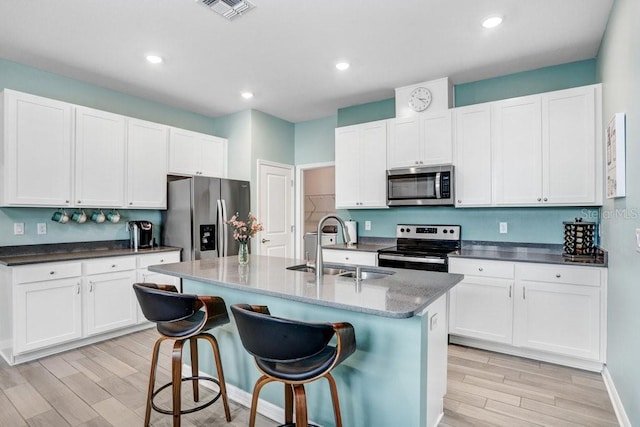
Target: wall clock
{"type": "Point", "coordinates": [420, 99]}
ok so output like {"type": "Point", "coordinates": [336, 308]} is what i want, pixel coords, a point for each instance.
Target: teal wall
{"type": "Point", "coordinates": [546, 79]}
{"type": "Point", "coordinates": [315, 140]}
{"type": "Point", "coordinates": [535, 225]}
{"type": "Point", "coordinates": [31, 80]}
{"type": "Point", "coordinates": [619, 71]}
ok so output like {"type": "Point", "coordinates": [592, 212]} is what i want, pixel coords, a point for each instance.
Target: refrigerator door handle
{"type": "Point", "coordinates": [225, 225]}
{"type": "Point", "coordinates": [220, 225]}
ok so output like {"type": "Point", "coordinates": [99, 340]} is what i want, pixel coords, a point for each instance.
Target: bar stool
{"type": "Point", "coordinates": [294, 353]}
{"type": "Point", "coordinates": [182, 317]}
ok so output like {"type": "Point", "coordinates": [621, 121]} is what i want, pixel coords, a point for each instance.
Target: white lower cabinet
{"type": "Point", "coordinates": [47, 313]}
{"type": "Point", "coordinates": [109, 300]}
{"type": "Point", "coordinates": [51, 307]}
{"type": "Point", "coordinates": [543, 311]}
{"type": "Point", "coordinates": [349, 256]}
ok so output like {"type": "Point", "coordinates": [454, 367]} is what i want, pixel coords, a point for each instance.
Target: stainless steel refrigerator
{"type": "Point", "coordinates": [197, 211]}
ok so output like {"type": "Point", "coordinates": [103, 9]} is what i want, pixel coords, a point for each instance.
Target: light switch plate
{"type": "Point", "coordinates": [367, 225]}
{"type": "Point", "coordinates": [42, 228]}
{"type": "Point", "coordinates": [638, 239]}
{"type": "Point", "coordinates": [18, 228]}
{"type": "Point", "coordinates": [503, 228]}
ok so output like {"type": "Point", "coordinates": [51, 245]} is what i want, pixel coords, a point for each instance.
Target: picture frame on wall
{"type": "Point", "coordinates": [615, 158]}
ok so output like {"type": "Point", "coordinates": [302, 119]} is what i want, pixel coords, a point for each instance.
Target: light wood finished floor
{"type": "Point", "coordinates": [105, 385]}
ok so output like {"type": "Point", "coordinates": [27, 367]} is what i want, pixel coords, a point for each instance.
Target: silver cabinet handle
{"type": "Point", "coordinates": [459, 201]}
{"type": "Point", "coordinates": [113, 266]}
{"type": "Point", "coordinates": [265, 240]}
{"type": "Point", "coordinates": [480, 269]}
{"type": "Point", "coordinates": [539, 199]}
{"type": "Point", "coordinates": [90, 286]}
{"type": "Point", "coordinates": [79, 201]}
{"type": "Point", "coordinates": [558, 275]}
{"type": "Point", "coordinates": [524, 295]}
{"type": "Point", "coordinates": [78, 288]}
{"type": "Point", "coordinates": [162, 260]}
{"type": "Point", "coordinates": [52, 272]}
{"type": "Point", "coordinates": [510, 291]}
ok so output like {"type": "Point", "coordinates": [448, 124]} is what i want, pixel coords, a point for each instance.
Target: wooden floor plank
{"type": "Point", "coordinates": [541, 396]}
{"type": "Point", "coordinates": [582, 418]}
{"type": "Point", "coordinates": [58, 366]}
{"type": "Point", "coordinates": [85, 388]}
{"type": "Point", "coordinates": [117, 414]}
{"type": "Point", "coordinates": [27, 400]}
{"type": "Point", "coordinates": [9, 415]}
{"type": "Point", "coordinates": [48, 419]}
{"type": "Point", "coordinates": [492, 418]}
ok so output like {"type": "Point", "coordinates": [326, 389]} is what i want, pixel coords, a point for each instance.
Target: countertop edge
{"type": "Point", "coordinates": [21, 260]}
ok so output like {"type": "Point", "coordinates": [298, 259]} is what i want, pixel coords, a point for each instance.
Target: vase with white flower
{"type": "Point", "coordinates": [243, 231]}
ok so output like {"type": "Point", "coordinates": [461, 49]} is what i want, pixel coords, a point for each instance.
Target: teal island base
{"type": "Point", "coordinates": [396, 377]}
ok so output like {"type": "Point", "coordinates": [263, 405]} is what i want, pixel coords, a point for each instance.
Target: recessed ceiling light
{"type": "Point", "coordinates": [342, 66]}
{"type": "Point", "coordinates": [154, 59]}
{"type": "Point", "coordinates": [247, 95]}
{"type": "Point", "coordinates": [492, 21]}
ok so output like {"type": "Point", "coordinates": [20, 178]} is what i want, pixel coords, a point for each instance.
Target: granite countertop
{"type": "Point", "coordinates": [362, 247]}
{"type": "Point", "coordinates": [36, 254]}
{"type": "Point", "coordinates": [526, 252]}
{"type": "Point", "coordinates": [405, 293]}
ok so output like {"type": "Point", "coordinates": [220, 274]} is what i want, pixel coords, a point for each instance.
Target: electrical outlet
{"type": "Point", "coordinates": [503, 228]}
{"type": "Point", "coordinates": [367, 225]}
{"type": "Point", "coordinates": [18, 228]}
{"type": "Point", "coordinates": [42, 228]}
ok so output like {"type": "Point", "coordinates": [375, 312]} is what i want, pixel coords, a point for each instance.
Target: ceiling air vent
{"type": "Point", "coordinates": [228, 8]}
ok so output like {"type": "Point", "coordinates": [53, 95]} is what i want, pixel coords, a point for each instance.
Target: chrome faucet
{"type": "Point", "coordinates": [345, 237]}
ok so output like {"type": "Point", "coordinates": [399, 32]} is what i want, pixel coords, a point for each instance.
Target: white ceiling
{"type": "Point", "coordinates": [285, 50]}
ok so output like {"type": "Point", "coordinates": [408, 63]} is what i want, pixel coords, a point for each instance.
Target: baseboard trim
{"type": "Point", "coordinates": [623, 420]}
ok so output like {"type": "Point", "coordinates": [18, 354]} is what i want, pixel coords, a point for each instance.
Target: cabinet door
{"type": "Point", "coordinates": [518, 151]}
{"type": "Point", "coordinates": [435, 139]}
{"type": "Point", "coordinates": [146, 164]}
{"type": "Point", "coordinates": [373, 165]}
{"type": "Point", "coordinates": [482, 308]}
{"type": "Point", "coordinates": [100, 158]}
{"type": "Point", "coordinates": [184, 152]}
{"type": "Point", "coordinates": [350, 257]}
{"type": "Point", "coordinates": [404, 146]}
{"type": "Point", "coordinates": [473, 156]}
{"type": "Point", "coordinates": [559, 318]}
{"type": "Point", "coordinates": [214, 156]}
{"type": "Point", "coordinates": [347, 167]}
{"type": "Point", "coordinates": [110, 301]}
{"type": "Point", "coordinates": [569, 147]}
{"type": "Point", "coordinates": [47, 313]}
{"type": "Point", "coordinates": [37, 151]}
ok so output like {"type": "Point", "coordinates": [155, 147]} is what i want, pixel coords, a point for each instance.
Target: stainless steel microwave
{"type": "Point", "coordinates": [429, 185]}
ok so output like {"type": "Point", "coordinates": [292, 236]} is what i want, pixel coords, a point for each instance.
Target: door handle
{"type": "Point", "coordinates": [265, 240]}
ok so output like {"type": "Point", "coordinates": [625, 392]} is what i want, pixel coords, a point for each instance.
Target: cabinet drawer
{"type": "Point", "coordinates": [145, 261]}
{"type": "Point", "coordinates": [559, 274]}
{"type": "Point", "coordinates": [109, 265]}
{"type": "Point", "coordinates": [482, 267]}
{"type": "Point", "coordinates": [48, 271]}
{"type": "Point", "coordinates": [350, 257]}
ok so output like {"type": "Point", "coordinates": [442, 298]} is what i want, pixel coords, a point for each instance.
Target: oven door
{"type": "Point", "coordinates": [420, 186]}
{"type": "Point", "coordinates": [413, 262]}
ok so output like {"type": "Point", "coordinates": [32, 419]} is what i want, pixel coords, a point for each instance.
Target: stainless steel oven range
{"type": "Point", "coordinates": [421, 247]}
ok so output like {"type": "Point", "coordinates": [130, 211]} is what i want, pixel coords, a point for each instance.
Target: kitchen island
{"type": "Point", "coordinates": [397, 376]}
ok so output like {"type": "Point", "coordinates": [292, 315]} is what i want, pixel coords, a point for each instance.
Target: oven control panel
{"type": "Point", "coordinates": [428, 232]}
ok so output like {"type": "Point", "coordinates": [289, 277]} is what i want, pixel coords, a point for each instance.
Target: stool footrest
{"type": "Point", "coordinates": [186, 411]}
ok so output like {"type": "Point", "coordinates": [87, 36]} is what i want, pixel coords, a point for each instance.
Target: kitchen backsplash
{"type": "Point", "coordinates": [69, 232]}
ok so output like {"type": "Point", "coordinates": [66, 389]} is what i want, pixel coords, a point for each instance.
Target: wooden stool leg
{"type": "Point", "coordinates": [334, 398]}
{"type": "Point", "coordinates": [254, 401]}
{"type": "Point", "coordinates": [301, 406]}
{"type": "Point", "coordinates": [223, 387]}
{"type": "Point", "coordinates": [176, 378]}
{"type": "Point", "coordinates": [193, 345]}
{"type": "Point", "coordinates": [288, 403]}
{"type": "Point", "coordinates": [152, 380]}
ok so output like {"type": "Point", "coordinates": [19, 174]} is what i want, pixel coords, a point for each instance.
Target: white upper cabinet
{"type": "Point", "coordinates": [100, 158]}
{"type": "Point", "coordinates": [146, 164]}
{"type": "Point", "coordinates": [473, 155]}
{"type": "Point", "coordinates": [361, 166]}
{"type": "Point", "coordinates": [420, 140]}
{"type": "Point", "coordinates": [193, 153]}
{"type": "Point", "coordinates": [517, 148]}
{"type": "Point", "coordinates": [547, 149]}
{"type": "Point", "coordinates": [36, 151]}
{"type": "Point", "coordinates": [572, 169]}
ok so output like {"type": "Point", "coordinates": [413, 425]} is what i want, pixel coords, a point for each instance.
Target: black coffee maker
{"type": "Point", "coordinates": [140, 234]}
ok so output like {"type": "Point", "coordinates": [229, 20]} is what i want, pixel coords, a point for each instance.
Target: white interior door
{"type": "Point", "coordinates": [275, 209]}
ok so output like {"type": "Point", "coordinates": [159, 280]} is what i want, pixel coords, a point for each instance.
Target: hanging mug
{"type": "Point", "coordinates": [60, 216]}
{"type": "Point", "coordinates": [97, 216]}
{"type": "Point", "coordinates": [79, 216]}
{"type": "Point", "coordinates": [113, 217]}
